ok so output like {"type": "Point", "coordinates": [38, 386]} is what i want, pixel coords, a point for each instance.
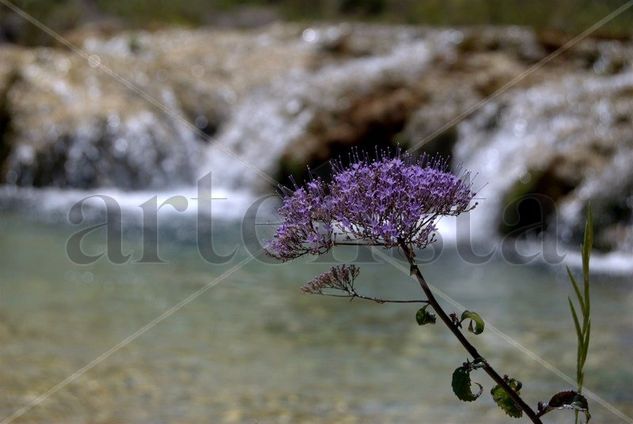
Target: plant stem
{"type": "Point", "coordinates": [415, 270]}
{"type": "Point", "coordinates": [373, 299]}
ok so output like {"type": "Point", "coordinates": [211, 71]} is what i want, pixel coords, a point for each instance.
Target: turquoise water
{"type": "Point", "coordinates": [254, 349]}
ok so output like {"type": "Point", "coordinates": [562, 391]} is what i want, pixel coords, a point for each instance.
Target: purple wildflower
{"type": "Point", "coordinates": [384, 202]}
{"type": "Point", "coordinates": [307, 225]}
{"type": "Point", "coordinates": [338, 278]}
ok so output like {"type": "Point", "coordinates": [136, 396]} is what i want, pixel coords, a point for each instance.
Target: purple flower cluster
{"type": "Point", "coordinates": [307, 223]}
{"type": "Point", "coordinates": [338, 278]}
{"type": "Point", "coordinates": [385, 202]}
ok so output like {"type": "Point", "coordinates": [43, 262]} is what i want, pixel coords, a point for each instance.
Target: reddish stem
{"type": "Point", "coordinates": [462, 339]}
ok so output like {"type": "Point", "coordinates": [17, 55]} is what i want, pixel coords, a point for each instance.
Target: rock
{"type": "Point", "coordinates": [310, 115]}
{"type": "Point", "coordinates": [568, 140]}
{"type": "Point", "coordinates": [173, 105]}
{"type": "Point", "coordinates": [133, 123]}
{"type": "Point", "coordinates": [519, 42]}
{"type": "Point", "coordinates": [451, 88]}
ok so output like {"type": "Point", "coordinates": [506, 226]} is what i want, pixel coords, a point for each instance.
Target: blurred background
{"type": "Point", "coordinates": [67, 15]}
{"type": "Point", "coordinates": [139, 100]}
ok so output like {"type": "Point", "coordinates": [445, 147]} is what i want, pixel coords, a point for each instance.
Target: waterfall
{"type": "Point", "coordinates": [569, 139]}
{"type": "Point", "coordinates": [251, 106]}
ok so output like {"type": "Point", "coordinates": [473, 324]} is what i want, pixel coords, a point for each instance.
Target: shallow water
{"type": "Point", "coordinates": [253, 348]}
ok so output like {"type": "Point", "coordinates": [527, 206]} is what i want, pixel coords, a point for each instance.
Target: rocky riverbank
{"type": "Point", "coordinates": [155, 110]}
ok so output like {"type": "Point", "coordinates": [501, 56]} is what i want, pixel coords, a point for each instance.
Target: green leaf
{"type": "Point", "coordinates": [586, 345]}
{"type": "Point", "coordinates": [586, 254]}
{"type": "Point", "coordinates": [504, 401]}
{"type": "Point", "coordinates": [576, 322]}
{"type": "Point", "coordinates": [574, 283]}
{"type": "Point", "coordinates": [476, 325]}
{"type": "Point", "coordinates": [582, 315]}
{"type": "Point", "coordinates": [424, 317]}
{"type": "Point", "coordinates": [586, 248]}
{"type": "Point", "coordinates": [462, 385]}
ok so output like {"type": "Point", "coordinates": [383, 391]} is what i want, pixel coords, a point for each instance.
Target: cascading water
{"type": "Point", "coordinates": [568, 140]}
{"type": "Point", "coordinates": [276, 118]}
{"type": "Point", "coordinates": [273, 98]}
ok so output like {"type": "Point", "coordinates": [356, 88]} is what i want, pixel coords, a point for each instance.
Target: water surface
{"type": "Point", "coordinates": [255, 349]}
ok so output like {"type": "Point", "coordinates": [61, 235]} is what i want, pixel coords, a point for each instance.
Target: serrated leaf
{"type": "Point", "coordinates": [424, 317]}
{"type": "Point", "coordinates": [504, 401]}
{"type": "Point", "coordinates": [462, 385]}
{"type": "Point", "coordinates": [476, 324]}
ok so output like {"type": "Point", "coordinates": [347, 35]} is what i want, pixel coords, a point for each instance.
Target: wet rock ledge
{"type": "Point", "coordinates": [157, 109]}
